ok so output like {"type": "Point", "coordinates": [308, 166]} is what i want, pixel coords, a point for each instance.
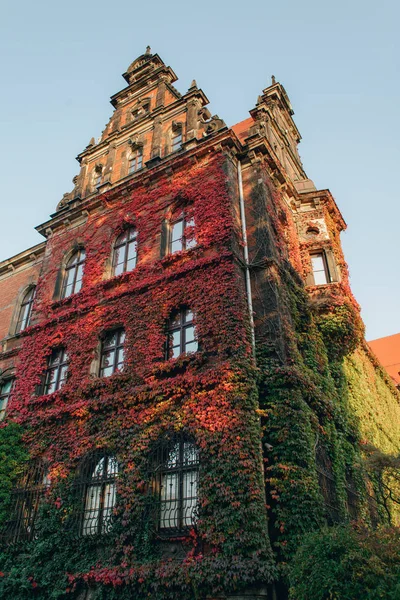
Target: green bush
{"type": "Point", "coordinates": [343, 563]}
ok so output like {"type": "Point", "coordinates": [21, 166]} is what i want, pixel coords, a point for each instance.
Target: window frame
{"type": "Point", "coordinates": [26, 497]}
{"type": "Point", "coordinates": [53, 365]}
{"type": "Point", "coordinates": [103, 485]}
{"type": "Point", "coordinates": [176, 511]}
{"type": "Point", "coordinates": [325, 270]}
{"type": "Point", "coordinates": [115, 348]}
{"type": "Point", "coordinates": [182, 328]}
{"type": "Point", "coordinates": [177, 132]}
{"type": "Point", "coordinates": [76, 285]}
{"type": "Point", "coordinates": [5, 395]}
{"type": "Point", "coordinates": [23, 320]}
{"type": "Point", "coordinates": [125, 244]}
{"type": "Point", "coordinates": [135, 160]}
{"type": "Point", "coordinates": [185, 242]}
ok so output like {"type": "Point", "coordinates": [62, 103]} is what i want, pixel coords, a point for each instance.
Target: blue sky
{"type": "Point", "coordinates": [339, 62]}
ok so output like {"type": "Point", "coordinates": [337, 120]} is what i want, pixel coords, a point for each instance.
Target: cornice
{"type": "Point", "coordinates": [23, 259]}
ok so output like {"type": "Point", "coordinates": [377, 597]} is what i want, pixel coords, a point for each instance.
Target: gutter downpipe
{"type": "Point", "coordinates": [246, 258]}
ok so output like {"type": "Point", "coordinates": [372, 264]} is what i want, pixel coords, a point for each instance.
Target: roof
{"type": "Point", "coordinates": [387, 350]}
{"type": "Point", "coordinates": [242, 129]}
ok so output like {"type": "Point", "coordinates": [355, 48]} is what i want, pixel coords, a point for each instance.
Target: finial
{"type": "Point", "coordinates": [193, 84]}
{"type": "Point", "coordinates": [273, 79]}
{"type": "Point", "coordinates": [259, 99]}
{"type": "Point", "coordinates": [148, 50]}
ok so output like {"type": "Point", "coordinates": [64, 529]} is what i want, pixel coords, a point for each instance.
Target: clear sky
{"type": "Point", "coordinates": [339, 62]}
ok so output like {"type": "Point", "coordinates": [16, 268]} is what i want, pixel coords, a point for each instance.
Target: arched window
{"type": "Point", "coordinates": [25, 310]}
{"type": "Point", "coordinates": [6, 387]}
{"type": "Point", "coordinates": [56, 371]}
{"type": "Point", "coordinates": [180, 334]}
{"type": "Point", "coordinates": [73, 274]}
{"type": "Point", "coordinates": [175, 484]}
{"type": "Point", "coordinates": [99, 479]}
{"type": "Point", "coordinates": [181, 233]}
{"type": "Point", "coordinates": [136, 160]}
{"type": "Point", "coordinates": [26, 498]}
{"type": "Point", "coordinates": [125, 252]}
{"type": "Point", "coordinates": [112, 352]}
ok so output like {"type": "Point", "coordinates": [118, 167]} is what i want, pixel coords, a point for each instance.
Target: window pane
{"type": "Point", "coordinates": [110, 340]}
{"type": "Point", "coordinates": [63, 375]}
{"type": "Point", "coordinates": [190, 454]}
{"type": "Point", "coordinates": [6, 387]}
{"type": "Point", "coordinates": [317, 262]}
{"type": "Point", "coordinates": [176, 246]}
{"type": "Point", "coordinates": [189, 500]}
{"type": "Point", "coordinates": [70, 274]}
{"type": "Point", "coordinates": [188, 316]}
{"type": "Point", "coordinates": [191, 347]}
{"type": "Point", "coordinates": [319, 269]}
{"type": "Point", "coordinates": [320, 278]}
{"type": "Point", "coordinates": [120, 359]}
{"type": "Point", "coordinates": [108, 510]}
{"type": "Point", "coordinates": [92, 510]}
{"type": "Point", "coordinates": [177, 231]}
{"type": "Point", "coordinates": [131, 262]}
{"type": "Point", "coordinates": [107, 366]}
{"type": "Point", "coordinates": [50, 386]}
{"type": "Point", "coordinates": [169, 501]}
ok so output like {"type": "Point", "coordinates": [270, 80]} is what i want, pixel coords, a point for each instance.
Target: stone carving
{"type": "Point", "coordinates": [214, 124]}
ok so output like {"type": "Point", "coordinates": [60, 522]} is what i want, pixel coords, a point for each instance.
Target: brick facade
{"type": "Point", "coordinates": [191, 164]}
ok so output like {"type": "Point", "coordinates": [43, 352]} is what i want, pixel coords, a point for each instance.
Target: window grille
{"type": "Point", "coordinates": [97, 490]}
{"type": "Point", "coordinates": [73, 274]}
{"type": "Point", "coordinates": [25, 310]}
{"type": "Point", "coordinates": [175, 481]}
{"type": "Point", "coordinates": [112, 352]}
{"type": "Point", "coordinates": [25, 500]}
{"type": "Point", "coordinates": [180, 334]}
{"type": "Point", "coordinates": [6, 387]}
{"type": "Point", "coordinates": [125, 252]}
{"type": "Point", "coordinates": [56, 372]}
{"type": "Point", "coordinates": [181, 234]}
{"type": "Point", "coordinates": [136, 161]}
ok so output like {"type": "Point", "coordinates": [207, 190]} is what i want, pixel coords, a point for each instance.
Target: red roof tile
{"type": "Point", "coordinates": [242, 129]}
{"type": "Point", "coordinates": [387, 350]}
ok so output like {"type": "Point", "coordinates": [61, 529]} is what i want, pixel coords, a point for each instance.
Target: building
{"type": "Point", "coordinates": [387, 349]}
{"type": "Point", "coordinates": [182, 359]}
